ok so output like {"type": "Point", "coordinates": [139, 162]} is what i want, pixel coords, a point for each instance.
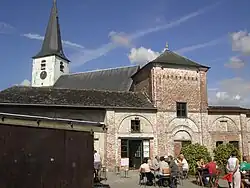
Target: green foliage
{"type": "Point", "coordinates": [193, 153]}
{"type": "Point", "coordinates": [222, 154]}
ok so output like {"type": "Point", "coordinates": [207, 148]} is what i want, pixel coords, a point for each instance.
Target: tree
{"type": "Point", "coordinates": [194, 152]}
{"type": "Point", "coordinates": [222, 154]}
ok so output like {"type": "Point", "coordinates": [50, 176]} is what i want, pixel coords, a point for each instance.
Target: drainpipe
{"type": "Point", "coordinates": [201, 119]}
{"type": "Point", "coordinates": [241, 134]}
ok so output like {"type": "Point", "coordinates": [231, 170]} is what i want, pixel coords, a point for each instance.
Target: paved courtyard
{"type": "Point", "coordinates": [116, 181]}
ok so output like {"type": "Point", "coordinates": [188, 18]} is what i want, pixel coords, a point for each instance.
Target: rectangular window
{"type": "Point", "coordinates": [61, 67]}
{"type": "Point", "coordinates": [124, 148]}
{"type": "Point", "coordinates": [135, 126]}
{"type": "Point", "coordinates": [235, 143]}
{"type": "Point", "coordinates": [181, 109]}
{"type": "Point", "coordinates": [219, 143]}
{"type": "Point", "coordinates": [146, 148]}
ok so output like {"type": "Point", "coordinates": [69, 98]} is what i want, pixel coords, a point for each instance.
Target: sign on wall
{"type": "Point", "coordinates": [146, 148]}
{"type": "Point", "coordinates": [124, 162]}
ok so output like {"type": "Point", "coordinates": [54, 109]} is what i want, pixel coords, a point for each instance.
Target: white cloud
{"type": "Point", "coordinates": [121, 39]}
{"type": "Point", "coordinates": [142, 55]}
{"type": "Point", "coordinates": [235, 63]}
{"type": "Point", "coordinates": [232, 92]}
{"type": "Point", "coordinates": [35, 36]}
{"type": "Point", "coordinates": [25, 83]}
{"type": "Point", "coordinates": [241, 42]}
{"type": "Point", "coordinates": [199, 46]}
{"type": "Point", "coordinates": [5, 28]}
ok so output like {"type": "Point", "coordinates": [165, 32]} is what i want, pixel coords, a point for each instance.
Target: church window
{"type": "Point", "coordinates": [43, 65]}
{"type": "Point", "coordinates": [135, 125]}
{"type": "Point", "coordinates": [61, 67]}
{"type": "Point", "coordinates": [181, 109]}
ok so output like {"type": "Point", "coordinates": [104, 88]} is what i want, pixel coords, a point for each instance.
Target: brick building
{"type": "Point", "coordinates": [150, 110]}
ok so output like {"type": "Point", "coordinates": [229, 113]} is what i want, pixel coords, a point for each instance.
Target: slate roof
{"type": "Point", "coordinates": [169, 57]}
{"type": "Point", "coordinates": [116, 79]}
{"type": "Point", "coordinates": [74, 97]}
{"type": "Point", "coordinates": [52, 43]}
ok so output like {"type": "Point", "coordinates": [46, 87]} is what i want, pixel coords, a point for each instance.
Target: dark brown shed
{"type": "Point", "coordinates": [38, 151]}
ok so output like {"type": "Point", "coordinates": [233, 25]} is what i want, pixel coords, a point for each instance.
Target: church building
{"type": "Point", "coordinates": [150, 110]}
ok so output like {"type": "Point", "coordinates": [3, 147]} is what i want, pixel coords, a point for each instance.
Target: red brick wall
{"type": "Point", "coordinates": [171, 85]}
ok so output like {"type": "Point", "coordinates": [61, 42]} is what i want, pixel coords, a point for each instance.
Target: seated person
{"type": "Point", "coordinates": [164, 172]}
{"type": "Point", "coordinates": [244, 165]}
{"type": "Point", "coordinates": [200, 163]}
{"type": "Point", "coordinates": [163, 166]}
{"type": "Point", "coordinates": [155, 163]}
{"type": "Point", "coordinates": [211, 167]}
{"type": "Point", "coordinates": [146, 171]}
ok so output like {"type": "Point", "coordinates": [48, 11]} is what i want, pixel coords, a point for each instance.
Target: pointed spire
{"type": "Point", "coordinates": [52, 43]}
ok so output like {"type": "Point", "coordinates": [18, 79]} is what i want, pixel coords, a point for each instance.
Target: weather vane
{"type": "Point", "coordinates": [167, 46]}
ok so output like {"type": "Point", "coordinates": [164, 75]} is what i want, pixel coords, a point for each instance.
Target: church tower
{"type": "Point", "coordinates": [50, 63]}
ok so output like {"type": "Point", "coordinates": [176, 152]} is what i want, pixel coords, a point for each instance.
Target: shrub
{"type": "Point", "coordinates": [222, 154]}
{"type": "Point", "coordinates": [192, 153]}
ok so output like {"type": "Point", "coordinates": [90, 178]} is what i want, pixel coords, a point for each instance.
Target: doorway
{"type": "Point", "coordinates": [135, 153]}
{"type": "Point", "coordinates": [135, 150]}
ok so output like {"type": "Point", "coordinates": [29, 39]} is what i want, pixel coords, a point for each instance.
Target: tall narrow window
{"type": "Point", "coordinates": [61, 67]}
{"type": "Point", "coordinates": [43, 65]}
{"type": "Point", "coordinates": [181, 109]}
{"type": "Point", "coordinates": [135, 125]}
{"type": "Point", "coordinates": [124, 148]}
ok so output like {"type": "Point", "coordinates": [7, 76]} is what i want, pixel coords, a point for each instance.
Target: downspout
{"type": "Point", "coordinates": [241, 133]}
{"type": "Point", "coordinates": [201, 119]}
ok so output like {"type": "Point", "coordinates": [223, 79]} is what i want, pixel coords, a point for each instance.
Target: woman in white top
{"type": "Point", "coordinates": [146, 171]}
{"type": "Point", "coordinates": [234, 168]}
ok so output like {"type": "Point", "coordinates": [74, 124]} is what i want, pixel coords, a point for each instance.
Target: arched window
{"type": "Point", "coordinates": [61, 67]}
{"type": "Point", "coordinates": [43, 65]}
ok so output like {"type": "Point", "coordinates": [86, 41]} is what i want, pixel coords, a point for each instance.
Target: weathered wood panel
{"type": "Point", "coordinates": [37, 157]}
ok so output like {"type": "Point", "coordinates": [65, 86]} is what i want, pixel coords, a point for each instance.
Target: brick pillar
{"type": "Point", "coordinates": [151, 149]}
{"type": "Point", "coordinates": [244, 138]}
{"type": "Point", "coordinates": [111, 141]}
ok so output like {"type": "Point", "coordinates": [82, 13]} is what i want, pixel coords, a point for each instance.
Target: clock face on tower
{"type": "Point", "coordinates": [43, 75]}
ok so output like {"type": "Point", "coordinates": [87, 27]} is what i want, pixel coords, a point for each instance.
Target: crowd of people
{"type": "Point", "coordinates": [164, 166]}
{"type": "Point", "coordinates": [156, 169]}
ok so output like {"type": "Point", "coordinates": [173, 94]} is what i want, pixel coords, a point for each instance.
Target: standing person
{"type": "Point", "coordinates": [184, 164]}
{"type": "Point", "coordinates": [97, 165]}
{"type": "Point", "coordinates": [233, 167]}
{"type": "Point", "coordinates": [174, 169]}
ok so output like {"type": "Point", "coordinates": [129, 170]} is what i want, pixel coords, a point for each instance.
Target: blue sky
{"type": "Point", "coordinates": [100, 34]}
